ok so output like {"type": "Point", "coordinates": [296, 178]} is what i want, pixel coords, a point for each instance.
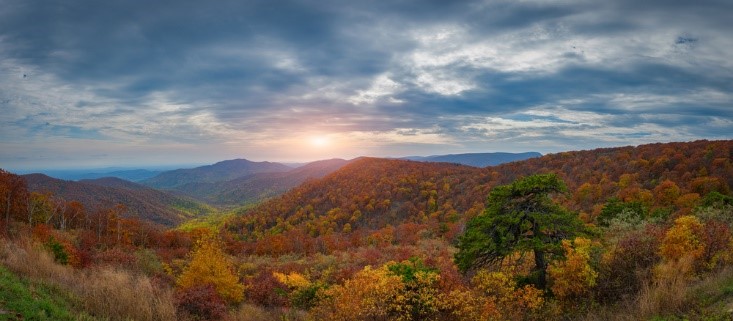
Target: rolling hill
{"type": "Point", "coordinates": [133, 175]}
{"type": "Point", "coordinates": [476, 159]}
{"type": "Point", "coordinates": [371, 194]}
{"type": "Point", "coordinates": [256, 187]}
{"type": "Point", "coordinates": [219, 172]}
{"type": "Point", "coordinates": [140, 201]}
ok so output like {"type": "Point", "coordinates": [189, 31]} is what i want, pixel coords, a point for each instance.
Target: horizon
{"type": "Point", "coordinates": [165, 167]}
{"type": "Point", "coordinates": [93, 84]}
{"type": "Point", "coordinates": [173, 166]}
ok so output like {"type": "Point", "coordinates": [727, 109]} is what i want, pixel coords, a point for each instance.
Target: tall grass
{"type": "Point", "coordinates": [669, 291]}
{"type": "Point", "coordinates": [102, 292]}
{"type": "Point", "coordinates": [675, 292]}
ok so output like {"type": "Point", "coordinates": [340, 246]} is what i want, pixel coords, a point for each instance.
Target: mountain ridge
{"type": "Point", "coordinates": [476, 159]}
{"type": "Point", "coordinates": [140, 201]}
{"type": "Point", "coordinates": [217, 172]}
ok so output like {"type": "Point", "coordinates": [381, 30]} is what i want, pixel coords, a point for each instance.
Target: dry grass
{"type": "Point", "coordinates": [249, 312]}
{"type": "Point", "coordinates": [102, 292]}
{"type": "Point", "coordinates": [675, 292]}
{"type": "Point", "coordinates": [669, 291]}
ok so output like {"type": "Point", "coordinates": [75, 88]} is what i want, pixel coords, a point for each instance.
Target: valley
{"type": "Point", "coordinates": [378, 238]}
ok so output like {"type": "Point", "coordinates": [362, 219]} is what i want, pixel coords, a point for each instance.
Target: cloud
{"type": "Point", "coordinates": [457, 76]}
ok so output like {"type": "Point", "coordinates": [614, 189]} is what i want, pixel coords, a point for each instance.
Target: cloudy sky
{"type": "Point", "coordinates": [119, 82]}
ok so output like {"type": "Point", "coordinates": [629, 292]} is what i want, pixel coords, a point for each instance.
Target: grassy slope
{"type": "Point", "coordinates": [24, 300]}
{"type": "Point", "coordinates": [710, 299]}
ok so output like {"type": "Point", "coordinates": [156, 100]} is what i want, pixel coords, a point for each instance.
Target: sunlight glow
{"type": "Point", "coordinates": [319, 141]}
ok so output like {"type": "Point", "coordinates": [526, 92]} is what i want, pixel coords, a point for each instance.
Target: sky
{"type": "Point", "coordinates": [88, 83]}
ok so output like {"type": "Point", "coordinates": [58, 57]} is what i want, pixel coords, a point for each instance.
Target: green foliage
{"type": "Point", "coordinates": [409, 269]}
{"type": "Point", "coordinates": [148, 262]}
{"type": "Point", "coordinates": [614, 207]}
{"type": "Point", "coordinates": [306, 297]}
{"type": "Point", "coordinates": [21, 300]}
{"type": "Point", "coordinates": [715, 199]}
{"type": "Point", "coordinates": [212, 221]}
{"type": "Point", "coordinates": [59, 253]}
{"type": "Point", "coordinates": [662, 213]}
{"type": "Point", "coordinates": [519, 217]}
{"type": "Point", "coordinates": [191, 207]}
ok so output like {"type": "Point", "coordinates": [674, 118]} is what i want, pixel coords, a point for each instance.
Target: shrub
{"type": "Point", "coordinates": [265, 290]}
{"type": "Point", "coordinates": [626, 267]}
{"type": "Point", "coordinates": [573, 277]}
{"type": "Point", "coordinates": [686, 237]}
{"type": "Point", "coordinates": [201, 302]}
{"type": "Point", "coordinates": [58, 251]}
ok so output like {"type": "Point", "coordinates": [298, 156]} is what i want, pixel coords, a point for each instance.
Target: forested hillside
{"type": "Point", "coordinates": [370, 194]}
{"type": "Point", "coordinates": [219, 172]}
{"type": "Point", "coordinates": [476, 159]}
{"type": "Point", "coordinates": [253, 188]}
{"type": "Point", "coordinates": [138, 201]}
{"type": "Point", "coordinates": [630, 233]}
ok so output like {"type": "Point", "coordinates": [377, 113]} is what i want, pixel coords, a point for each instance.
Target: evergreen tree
{"type": "Point", "coordinates": [519, 217]}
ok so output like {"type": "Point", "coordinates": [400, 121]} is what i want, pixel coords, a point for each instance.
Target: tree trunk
{"type": "Point", "coordinates": [540, 267]}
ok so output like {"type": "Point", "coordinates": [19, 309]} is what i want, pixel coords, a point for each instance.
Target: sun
{"type": "Point", "coordinates": [319, 141]}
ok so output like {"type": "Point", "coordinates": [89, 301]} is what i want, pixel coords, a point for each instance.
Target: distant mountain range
{"type": "Point", "coordinates": [140, 201]}
{"type": "Point", "coordinates": [167, 197]}
{"type": "Point", "coordinates": [133, 175]}
{"type": "Point", "coordinates": [476, 159]}
{"type": "Point", "coordinates": [219, 172]}
{"type": "Point", "coordinates": [256, 187]}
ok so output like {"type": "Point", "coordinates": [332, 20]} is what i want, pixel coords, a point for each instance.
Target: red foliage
{"type": "Point", "coordinates": [265, 290]}
{"type": "Point", "coordinates": [201, 302]}
{"type": "Point", "coordinates": [116, 257]}
{"type": "Point", "coordinates": [717, 238]}
{"type": "Point", "coordinates": [624, 272]}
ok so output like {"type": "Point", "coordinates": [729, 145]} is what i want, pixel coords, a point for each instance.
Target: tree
{"type": "Point", "coordinates": [13, 195]}
{"type": "Point", "coordinates": [519, 217]}
{"type": "Point", "coordinates": [210, 265]}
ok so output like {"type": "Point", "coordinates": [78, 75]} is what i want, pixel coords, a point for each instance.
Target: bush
{"type": "Point", "coordinates": [58, 251]}
{"type": "Point", "coordinates": [627, 267]}
{"type": "Point", "coordinates": [200, 302]}
{"type": "Point", "coordinates": [265, 290]}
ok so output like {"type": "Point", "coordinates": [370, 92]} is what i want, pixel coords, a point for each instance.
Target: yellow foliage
{"type": "Point", "coordinates": [293, 280]}
{"type": "Point", "coordinates": [573, 277]}
{"type": "Point", "coordinates": [383, 294]}
{"type": "Point", "coordinates": [498, 285]}
{"type": "Point", "coordinates": [210, 265]}
{"type": "Point", "coordinates": [684, 238]}
{"type": "Point", "coordinates": [470, 306]}
{"type": "Point", "coordinates": [503, 299]}
{"type": "Point", "coordinates": [367, 296]}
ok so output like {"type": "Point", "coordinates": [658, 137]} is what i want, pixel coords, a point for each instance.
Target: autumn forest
{"type": "Point", "coordinates": [627, 233]}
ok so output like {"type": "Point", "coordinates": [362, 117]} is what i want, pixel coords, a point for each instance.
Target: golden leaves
{"type": "Point", "coordinates": [210, 265]}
